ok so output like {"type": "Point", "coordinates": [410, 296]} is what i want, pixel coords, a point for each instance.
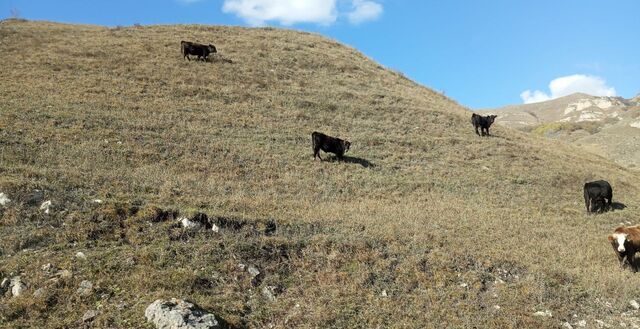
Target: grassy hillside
{"type": "Point", "coordinates": [423, 225]}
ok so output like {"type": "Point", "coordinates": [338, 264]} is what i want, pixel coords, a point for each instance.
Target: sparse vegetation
{"type": "Point", "coordinates": [547, 129]}
{"type": "Point", "coordinates": [423, 225]}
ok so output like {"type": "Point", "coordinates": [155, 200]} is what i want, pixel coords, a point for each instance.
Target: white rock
{"type": "Point", "coordinates": [384, 293]}
{"type": "Point", "coordinates": [497, 307]}
{"type": "Point", "coordinates": [97, 201]}
{"type": "Point", "coordinates": [567, 325]}
{"type": "Point", "coordinates": [545, 313]}
{"type": "Point", "coordinates": [86, 288]}
{"type": "Point", "coordinates": [179, 314]}
{"type": "Point", "coordinates": [188, 224]}
{"type": "Point", "coordinates": [89, 315]}
{"type": "Point", "coordinates": [215, 228]}
{"type": "Point", "coordinates": [4, 199]}
{"type": "Point", "coordinates": [634, 304]}
{"type": "Point", "coordinates": [464, 285]}
{"type": "Point", "coordinates": [267, 292]}
{"type": "Point", "coordinates": [17, 286]}
{"type": "Point", "coordinates": [81, 255]}
{"type": "Point", "coordinates": [253, 271]}
{"type": "Point", "coordinates": [45, 206]}
{"type": "Point", "coordinates": [581, 323]}
{"type": "Point", "coordinates": [5, 284]}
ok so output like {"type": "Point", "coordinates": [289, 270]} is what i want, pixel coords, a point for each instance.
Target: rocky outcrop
{"type": "Point", "coordinates": [179, 314]}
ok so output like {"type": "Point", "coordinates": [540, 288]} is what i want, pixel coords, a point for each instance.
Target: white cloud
{"type": "Point", "coordinates": [364, 10]}
{"type": "Point", "coordinates": [289, 12]}
{"type": "Point", "coordinates": [563, 86]}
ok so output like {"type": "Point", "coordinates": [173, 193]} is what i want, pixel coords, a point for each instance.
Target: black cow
{"type": "Point", "coordinates": [597, 196]}
{"type": "Point", "coordinates": [483, 122]}
{"type": "Point", "coordinates": [326, 143]}
{"type": "Point", "coordinates": [196, 49]}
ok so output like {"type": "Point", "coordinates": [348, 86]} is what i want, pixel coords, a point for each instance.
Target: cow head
{"type": "Point", "coordinates": [491, 119]}
{"type": "Point", "coordinates": [346, 145]}
{"type": "Point", "coordinates": [618, 239]}
{"type": "Point", "coordinates": [212, 48]}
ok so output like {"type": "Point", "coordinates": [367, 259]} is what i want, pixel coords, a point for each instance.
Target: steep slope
{"type": "Point", "coordinates": [422, 224]}
{"type": "Point", "coordinates": [607, 126]}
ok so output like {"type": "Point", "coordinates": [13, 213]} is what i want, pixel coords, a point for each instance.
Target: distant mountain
{"type": "Point", "coordinates": [608, 126]}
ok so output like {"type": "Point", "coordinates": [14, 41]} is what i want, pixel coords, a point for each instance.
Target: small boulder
{"type": "Point", "coordinates": [567, 325]}
{"type": "Point", "coordinates": [253, 271]}
{"type": "Point", "coordinates": [4, 285]}
{"type": "Point", "coordinates": [179, 314]}
{"type": "Point", "coordinates": [80, 255]}
{"type": "Point", "coordinates": [89, 315]}
{"type": "Point", "coordinates": [634, 304]}
{"type": "Point", "coordinates": [17, 286]}
{"type": "Point", "coordinates": [268, 293]}
{"type": "Point", "coordinates": [188, 224]}
{"type": "Point", "coordinates": [4, 199]}
{"type": "Point", "coordinates": [48, 268]}
{"type": "Point", "coordinates": [86, 288]}
{"type": "Point", "coordinates": [545, 313]}
{"type": "Point", "coordinates": [46, 206]}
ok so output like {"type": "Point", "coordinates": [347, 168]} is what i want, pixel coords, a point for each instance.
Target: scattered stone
{"type": "Point", "coordinates": [634, 304]}
{"type": "Point", "coordinates": [179, 314]}
{"type": "Point", "coordinates": [4, 199]}
{"type": "Point", "coordinates": [253, 271]}
{"type": "Point", "coordinates": [268, 293]}
{"type": "Point", "coordinates": [545, 313]}
{"type": "Point", "coordinates": [86, 288]}
{"type": "Point", "coordinates": [188, 224]}
{"type": "Point", "coordinates": [89, 315]}
{"type": "Point", "coordinates": [4, 285]}
{"type": "Point", "coordinates": [384, 293]}
{"type": "Point", "coordinates": [215, 228]}
{"type": "Point", "coordinates": [567, 325]}
{"type": "Point", "coordinates": [464, 285]}
{"type": "Point", "coordinates": [48, 268]}
{"type": "Point", "coordinates": [39, 293]}
{"type": "Point", "coordinates": [17, 286]}
{"type": "Point", "coordinates": [602, 324]}
{"type": "Point", "coordinates": [581, 323]}
{"type": "Point", "coordinates": [81, 255]}
{"type": "Point", "coordinates": [97, 201]}
{"type": "Point", "coordinates": [496, 307]}
{"type": "Point", "coordinates": [241, 267]}
{"type": "Point", "coordinates": [46, 206]}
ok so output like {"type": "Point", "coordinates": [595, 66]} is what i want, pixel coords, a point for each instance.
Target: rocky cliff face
{"type": "Point", "coordinates": [608, 126]}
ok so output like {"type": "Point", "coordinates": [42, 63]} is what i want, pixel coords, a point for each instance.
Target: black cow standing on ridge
{"type": "Point", "coordinates": [597, 196]}
{"type": "Point", "coordinates": [196, 49]}
{"type": "Point", "coordinates": [483, 122]}
{"type": "Point", "coordinates": [326, 143]}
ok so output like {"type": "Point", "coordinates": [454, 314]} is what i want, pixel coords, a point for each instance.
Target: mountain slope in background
{"type": "Point", "coordinates": [423, 223]}
{"type": "Point", "coordinates": [608, 126]}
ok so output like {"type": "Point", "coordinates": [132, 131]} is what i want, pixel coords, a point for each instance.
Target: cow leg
{"type": "Point", "coordinates": [477, 133]}
{"type": "Point", "coordinates": [488, 132]}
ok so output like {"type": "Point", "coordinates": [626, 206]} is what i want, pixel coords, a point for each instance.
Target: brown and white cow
{"type": "Point", "coordinates": [626, 242]}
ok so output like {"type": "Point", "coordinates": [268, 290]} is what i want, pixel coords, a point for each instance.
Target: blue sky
{"type": "Point", "coordinates": [480, 53]}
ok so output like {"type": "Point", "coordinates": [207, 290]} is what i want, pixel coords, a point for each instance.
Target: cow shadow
{"type": "Point", "coordinates": [349, 159]}
{"type": "Point", "coordinates": [618, 206]}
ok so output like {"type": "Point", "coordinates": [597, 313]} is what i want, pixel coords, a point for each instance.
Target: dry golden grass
{"type": "Point", "coordinates": [420, 207]}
